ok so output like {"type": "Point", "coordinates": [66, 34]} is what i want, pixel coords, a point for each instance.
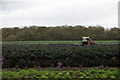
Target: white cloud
{"type": "Point", "coordinates": [60, 12]}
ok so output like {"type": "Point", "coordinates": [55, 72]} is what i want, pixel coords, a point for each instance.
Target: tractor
{"type": "Point", "coordinates": [87, 41]}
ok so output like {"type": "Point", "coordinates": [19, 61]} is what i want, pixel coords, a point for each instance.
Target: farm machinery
{"type": "Point", "coordinates": [87, 41]}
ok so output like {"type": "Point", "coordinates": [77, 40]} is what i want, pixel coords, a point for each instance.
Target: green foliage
{"type": "Point", "coordinates": [34, 55]}
{"type": "Point", "coordinates": [90, 73]}
{"type": "Point", "coordinates": [57, 42]}
{"type": "Point", "coordinates": [36, 33]}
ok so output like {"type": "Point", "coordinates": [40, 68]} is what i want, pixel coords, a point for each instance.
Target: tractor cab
{"type": "Point", "coordinates": [87, 40]}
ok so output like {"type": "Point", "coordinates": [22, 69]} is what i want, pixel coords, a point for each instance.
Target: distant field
{"type": "Point", "coordinates": [57, 42]}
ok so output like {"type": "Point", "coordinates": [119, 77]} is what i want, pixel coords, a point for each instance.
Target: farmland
{"type": "Point", "coordinates": [76, 73]}
{"type": "Point", "coordinates": [46, 54]}
{"type": "Point", "coordinates": [58, 42]}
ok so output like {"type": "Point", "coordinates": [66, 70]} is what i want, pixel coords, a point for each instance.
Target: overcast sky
{"type": "Point", "coordinates": [19, 13]}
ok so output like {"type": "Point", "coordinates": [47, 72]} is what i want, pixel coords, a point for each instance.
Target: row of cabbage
{"type": "Point", "coordinates": [23, 56]}
{"type": "Point", "coordinates": [73, 75]}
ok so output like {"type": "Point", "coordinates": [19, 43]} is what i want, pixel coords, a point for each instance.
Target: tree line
{"type": "Point", "coordinates": [43, 33]}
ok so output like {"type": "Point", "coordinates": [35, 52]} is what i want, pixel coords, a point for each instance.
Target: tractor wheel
{"type": "Point", "coordinates": [84, 43]}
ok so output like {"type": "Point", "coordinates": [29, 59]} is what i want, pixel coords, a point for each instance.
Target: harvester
{"type": "Point", "coordinates": [87, 40]}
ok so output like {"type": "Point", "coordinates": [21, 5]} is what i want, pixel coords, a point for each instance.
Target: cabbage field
{"type": "Point", "coordinates": [60, 54]}
{"type": "Point", "coordinates": [88, 74]}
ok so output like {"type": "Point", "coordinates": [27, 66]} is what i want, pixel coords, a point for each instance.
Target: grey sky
{"type": "Point", "coordinates": [59, 12]}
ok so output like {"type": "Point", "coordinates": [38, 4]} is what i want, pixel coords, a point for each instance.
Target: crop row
{"type": "Point", "coordinates": [91, 73]}
{"type": "Point", "coordinates": [74, 56]}
{"type": "Point", "coordinates": [56, 42]}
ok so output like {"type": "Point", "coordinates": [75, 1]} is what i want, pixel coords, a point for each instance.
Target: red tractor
{"type": "Point", "coordinates": [87, 40]}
